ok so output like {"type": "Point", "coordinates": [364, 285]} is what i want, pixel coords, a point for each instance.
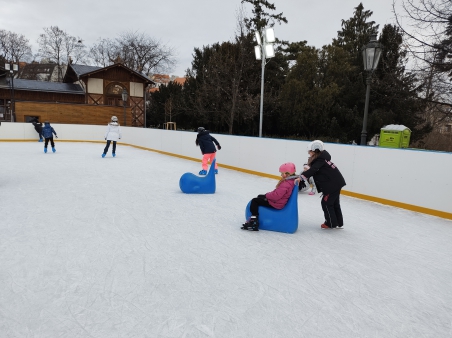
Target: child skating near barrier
{"type": "Point", "coordinates": [112, 134]}
{"type": "Point", "coordinates": [47, 133]}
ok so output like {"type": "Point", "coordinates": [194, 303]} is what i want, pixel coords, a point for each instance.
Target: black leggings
{"type": "Point", "coordinates": [108, 146]}
{"type": "Point", "coordinates": [47, 142]}
{"type": "Point", "coordinates": [256, 203]}
{"type": "Point", "coordinates": [331, 207]}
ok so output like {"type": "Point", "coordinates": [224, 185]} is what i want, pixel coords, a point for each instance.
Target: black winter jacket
{"type": "Point", "coordinates": [326, 175]}
{"type": "Point", "coordinates": [206, 142]}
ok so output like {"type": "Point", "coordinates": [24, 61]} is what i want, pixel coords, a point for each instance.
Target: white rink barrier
{"type": "Point", "coordinates": [396, 177]}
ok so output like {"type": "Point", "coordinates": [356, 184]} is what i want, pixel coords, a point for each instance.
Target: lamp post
{"type": "Point", "coordinates": [13, 69]}
{"type": "Point", "coordinates": [124, 99]}
{"type": "Point", "coordinates": [371, 56]}
{"type": "Point", "coordinates": [264, 50]}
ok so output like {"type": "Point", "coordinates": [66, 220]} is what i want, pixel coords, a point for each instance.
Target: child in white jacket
{"type": "Point", "coordinates": [113, 133]}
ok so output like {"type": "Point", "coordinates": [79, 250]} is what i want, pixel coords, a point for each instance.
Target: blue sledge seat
{"type": "Point", "coordinates": [282, 220]}
{"type": "Point", "coordinates": [192, 184]}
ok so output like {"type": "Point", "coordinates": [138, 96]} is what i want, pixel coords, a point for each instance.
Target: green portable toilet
{"type": "Point", "coordinates": [395, 136]}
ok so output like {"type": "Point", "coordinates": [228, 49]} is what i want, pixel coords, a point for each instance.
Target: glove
{"type": "Point", "coordinates": [56, 136]}
{"type": "Point", "coordinates": [105, 139]}
{"type": "Point", "coordinates": [301, 185]}
{"type": "Point", "coordinates": [219, 147]}
{"type": "Point", "coordinates": [262, 197]}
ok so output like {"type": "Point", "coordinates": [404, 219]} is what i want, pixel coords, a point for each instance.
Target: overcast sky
{"type": "Point", "coordinates": [180, 24]}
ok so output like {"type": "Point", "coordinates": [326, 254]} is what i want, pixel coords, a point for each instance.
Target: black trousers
{"type": "Point", "coordinates": [331, 207]}
{"type": "Point", "coordinates": [108, 146]}
{"type": "Point", "coordinates": [256, 203]}
{"type": "Point", "coordinates": [47, 142]}
{"type": "Point", "coordinates": [39, 131]}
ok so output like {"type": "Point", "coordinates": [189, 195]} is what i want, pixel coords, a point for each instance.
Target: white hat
{"type": "Point", "coordinates": [316, 144]}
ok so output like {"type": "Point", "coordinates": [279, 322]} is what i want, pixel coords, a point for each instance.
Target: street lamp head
{"type": "Point", "coordinates": [258, 38]}
{"type": "Point", "coordinates": [257, 52]}
{"type": "Point", "coordinates": [12, 69]}
{"type": "Point", "coordinates": [269, 50]}
{"type": "Point", "coordinates": [269, 35]}
{"type": "Point", "coordinates": [371, 54]}
{"type": "Point", "coordinates": [124, 95]}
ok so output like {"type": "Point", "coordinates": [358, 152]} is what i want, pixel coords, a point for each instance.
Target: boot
{"type": "Point", "coordinates": [45, 150]}
{"type": "Point", "coordinates": [53, 149]}
{"type": "Point", "coordinates": [114, 154]}
{"type": "Point", "coordinates": [252, 224]}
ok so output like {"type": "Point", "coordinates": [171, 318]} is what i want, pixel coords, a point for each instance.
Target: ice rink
{"type": "Point", "coordinates": [110, 247]}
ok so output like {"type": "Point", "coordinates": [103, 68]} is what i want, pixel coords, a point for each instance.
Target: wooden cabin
{"type": "Point", "coordinates": [87, 95]}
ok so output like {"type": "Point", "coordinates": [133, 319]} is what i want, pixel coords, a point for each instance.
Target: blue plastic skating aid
{"type": "Point", "coordinates": [283, 220]}
{"type": "Point", "coordinates": [191, 184]}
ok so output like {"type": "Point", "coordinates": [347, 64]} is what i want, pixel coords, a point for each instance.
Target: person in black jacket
{"type": "Point", "coordinates": [328, 180]}
{"type": "Point", "coordinates": [206, 142]}
{"type": "Point", "coordinates": [38, 127]}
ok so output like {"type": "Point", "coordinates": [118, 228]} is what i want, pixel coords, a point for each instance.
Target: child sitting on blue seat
{"type": "Point", "coordinates": [276, 199]}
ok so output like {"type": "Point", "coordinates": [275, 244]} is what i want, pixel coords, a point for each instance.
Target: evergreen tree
{"type": "Point", "coordinates": [261, 18]}
{"type": "Point", "coordinates": [445, 49]}
{"type": "Point", "coordinates": [349, 108]}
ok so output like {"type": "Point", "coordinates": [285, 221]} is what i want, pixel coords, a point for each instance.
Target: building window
{"type": "Point", "coordinates": [114, 94]}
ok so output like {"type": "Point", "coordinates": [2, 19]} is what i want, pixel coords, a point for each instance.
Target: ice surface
{"type": "Point", "coordinates": [110, 247]}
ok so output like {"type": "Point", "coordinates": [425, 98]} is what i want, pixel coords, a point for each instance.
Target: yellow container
{"type": "Point", "coordinates": [395, 136]}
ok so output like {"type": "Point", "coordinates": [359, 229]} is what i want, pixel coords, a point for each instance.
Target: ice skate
{"type": "Point", "coordinates": [103, 155]}
{"type": "Point", "coordinates": [114, 154]}
{"type": "Point", "coordinates": [53, 149]}
{"type": "Point", "coordinates": [252, 224]}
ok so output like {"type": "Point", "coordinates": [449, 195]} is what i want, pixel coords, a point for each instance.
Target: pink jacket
{"type": "Point", "coordinates": [278, 198]}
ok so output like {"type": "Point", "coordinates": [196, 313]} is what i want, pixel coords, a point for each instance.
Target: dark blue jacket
{"type": "Point", "coordinates": [206, 142]}
{"type": "Point", "coordinates": [47, 131]}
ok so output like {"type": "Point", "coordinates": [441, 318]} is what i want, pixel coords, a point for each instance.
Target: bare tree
{"type": "Point", "coordinates": [14, 47]}
{"type": "Point", "coordinates": [427, 28]}
{"type": "Point", "coordinates": [136, 51]}
{"type": "Point", "coordinates": [58, 46]}
{"type": "Point", "coordinates": [427, 25]}
{"type": "Point", "coordinates": [102, 53]}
